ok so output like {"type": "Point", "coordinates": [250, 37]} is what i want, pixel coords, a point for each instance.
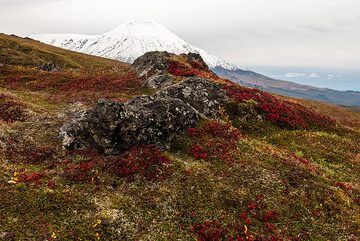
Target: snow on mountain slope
{"type": "Point", "coordinates": [129, 41]}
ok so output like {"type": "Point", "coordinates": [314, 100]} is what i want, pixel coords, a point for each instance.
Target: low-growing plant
{"type": "Point", "coordinates": [178, 69]}
{"type": "Point", "coordinates": [11, 110]}
{"type": "Point", "coordinates": [283, 113]}
{"type": "Point", "coordinates": [146, 161]}
{"type": "Point", "coordinates": [32, 178]}
{"type": "Point", "coordinates": [213, 140]}
{"type": "Point", "coordinates": [18, 150]}
{"type": "Point", "coordinates": [241, 229]}
{"type": "Point", "coordinates": [83, 166]}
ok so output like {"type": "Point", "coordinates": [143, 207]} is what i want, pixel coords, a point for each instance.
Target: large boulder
{"type": "Point", "coordinates": [158, 62]}
{"type": "Point", "coordinates": [153, 66]}
{"type": "Point", "coordinates": [51, 67]}
{"type": "Point", "coordinates": [152, 63]}
{"type": "Point", "coordinates": [158, 67]}
{"type": "Point", "coordinates": [112, 127]}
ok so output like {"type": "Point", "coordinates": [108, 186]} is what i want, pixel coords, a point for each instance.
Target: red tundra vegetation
{"type": "Point", "coordinates": [178, 69]}
{"type": "Point", "coordinates": [83, 165]}
{"type": "Point", "coordinates": [214, 140]}
{"type": "Point", "coordinates": [240, 230]}
{"type": "Point", "coordinates": [72, 85]}
{"type": "Point", "coordinates": [345, 186]}
{"type": "Point", "coordinates": [22, 151]}
{"type": "Point", "coordinates": [146, 161]}
{"type": "Point", "coordinates": [11, 110]}
{"type": "Point", "coordinates": [194, 68]}
{"type": "Point", "coordinates": [282, 113]}
{"type": "Point", "coordinates": [313, 196]}
{"type": "Point", "coordinates": [32, 178]}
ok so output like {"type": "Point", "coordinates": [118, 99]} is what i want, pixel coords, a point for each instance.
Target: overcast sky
{"type": "Point", "coordinates": [309, 33]}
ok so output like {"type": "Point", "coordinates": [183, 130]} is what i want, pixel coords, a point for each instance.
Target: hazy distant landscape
{"type": "Point", "coordinates": [332, 78]}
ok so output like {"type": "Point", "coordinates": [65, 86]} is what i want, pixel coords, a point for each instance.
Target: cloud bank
{"type": "Point", "coordinates": [309, 33]}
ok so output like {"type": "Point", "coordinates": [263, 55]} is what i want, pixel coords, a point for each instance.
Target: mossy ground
{"type": "Point", "coordinates": [307, 177]}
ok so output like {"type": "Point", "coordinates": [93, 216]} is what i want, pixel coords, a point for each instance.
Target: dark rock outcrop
{"type": "Point", "coordinates": [152, 63]}
{"type": "Point", "coordinates": [159, 81]}
{"type": "Point", "coordinates": [51, 67]}
{"type": "Point", "coordinates": [155, 66]}
{"type": "Point", "coordinates": [157, 119]}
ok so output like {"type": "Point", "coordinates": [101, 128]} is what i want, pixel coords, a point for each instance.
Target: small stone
{"type": "Point", "coordinates": [12, 182]}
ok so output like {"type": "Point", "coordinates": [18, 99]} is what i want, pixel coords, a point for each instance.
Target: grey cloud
{"type": "Point", "coordinates": [247, 32]}
{"type": "Point", "coordinates": [317, 29]}
{"type": "Point", "coordinates": [5, 3]}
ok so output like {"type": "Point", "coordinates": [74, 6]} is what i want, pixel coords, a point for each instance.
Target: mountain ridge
{"type": "Point", "coordinates": [129, 41]}
{"type": "Point", "coordinates": [252, 79]}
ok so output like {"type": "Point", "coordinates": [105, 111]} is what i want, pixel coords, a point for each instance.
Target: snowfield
{"type": "Point", "coordinates": [129, 41]}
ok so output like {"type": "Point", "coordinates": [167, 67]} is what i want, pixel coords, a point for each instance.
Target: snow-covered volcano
{"type": "Point", "coordinates": [129, 41]}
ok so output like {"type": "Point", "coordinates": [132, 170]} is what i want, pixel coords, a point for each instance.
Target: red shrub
{"type": "Point", "coordinates": [31, 178]}
{"type": "Point", "coordinates": [192, 131]}
{"type": "Point", "coordinates": [79, 85]}
{"type": "Point", "coordinates": [11, 110]}
{"type": "Point", "coordinates": [199, 152]}
{"type": "Point", "coordinates": [40, 154]}
{"type": "Point", "coordinates": [178, 69]}
{"type": "Point", "coordinates": [101, 83]}
{"type": "Point", "coordinates": [213, 140]}
{"type": "Point", "coordinates": [240, 229]}
{"type": "Point", "coordinates": [245, 217]}
{"type": "Point", "coordinates": [345, 186]}
{"type": "Point", "coordinates": [280, 112]}
{"type": "Point", "coordinates": [210, 231]}
{"type": "Point", "coordinates": [252, 205]}
{"type": "Point", "coordinates": [18, 150]}
{"type": "Point", "coordinates": [147, 161]}
{"type": "Point", "coordinates": [86, 170]}
{"type": "Point", "coordinates": [303, 162]}
{"type": "Point", "coordinates": [269, 215]}
{"type": "Point", "coordinates": [79, 172]}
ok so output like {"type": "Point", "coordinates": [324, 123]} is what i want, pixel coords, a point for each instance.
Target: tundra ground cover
{"type": "Point", "coordinates": [238, 178]}
{"type": "Point", "coordinates": [307, 195]}
{"type": "Point", "coordinates": [283, 113]}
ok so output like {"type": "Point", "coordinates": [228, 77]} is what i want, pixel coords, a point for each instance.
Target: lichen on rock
{"type": "Point", "coordinates": [157, 119]}
{"type": "Point", "coordinates": [162, 69]}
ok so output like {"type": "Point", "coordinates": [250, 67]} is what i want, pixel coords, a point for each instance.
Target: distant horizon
{"type": "Point", "coordinates": [330, 78]}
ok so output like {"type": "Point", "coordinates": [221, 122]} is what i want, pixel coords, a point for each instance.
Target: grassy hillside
{"type": "Point", "coordinates": [348, 116]}
{"type": "Point", "coordinates": [77, 77]}
{"type": "Point", "coordinates": [27, 52]}
{"type": "Point", "coordinates": [235, 178]}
